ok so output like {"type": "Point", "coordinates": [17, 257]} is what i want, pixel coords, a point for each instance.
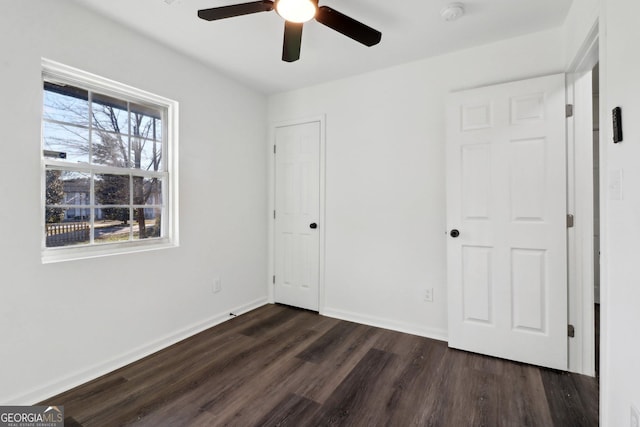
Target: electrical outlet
{"type": "Point", "coordinates": [428, 295]}
{"type": "Point", "coordinates": [635, 417]}
{"type": "Point", "coordinates": [217, 285]}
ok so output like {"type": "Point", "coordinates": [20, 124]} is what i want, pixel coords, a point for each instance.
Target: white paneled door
{"type": "Point", "coordinates": [297, 215]}
{"type": "Point", "coordinates": [506, 218]}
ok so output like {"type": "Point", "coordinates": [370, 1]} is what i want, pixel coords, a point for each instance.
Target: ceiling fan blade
{"type": "Point", "coordinates": [292, 41]}
{"type": "Point", "coordinates": [230, 11]}
{"type": "Point", "coordinates": [348, 26]}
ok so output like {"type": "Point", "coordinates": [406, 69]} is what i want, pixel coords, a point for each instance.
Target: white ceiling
{"type": "Point", "coordinates": [249, 47]}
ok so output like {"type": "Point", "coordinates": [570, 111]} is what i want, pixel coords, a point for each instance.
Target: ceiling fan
{"type": "Point", "coordinates": [296, 13]}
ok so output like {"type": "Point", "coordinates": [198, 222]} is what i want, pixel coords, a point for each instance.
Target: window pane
{"type": "Point", "coordinates": [111, 230]}
{"type": "Point", "coordinates": [110, 114]}
{"type": "Point", "coordinates": [54, 192]}
{"type": "Point", "coordinates": [66, 104]}
{"type": "Point", "coordinates": [110, 149]}
{"type": "Point", "coordinates": [147, 154]}
{"type": "Point", "coordinates": [145, 122]}
{"type": "Point", "coordinates": [155, 192]}
{"type": "Point", "coordinates": [147, 191]}
{"type": "Point", "coordinates": [158, 129]}
{"type": "Point", "coordinates": [142, 126]}
{"type": "Point", "coordinates": [67, 233]}
{"type": "Point", "coordinates": [77, 188]}
{"type": "Point", "coordinates": [112, 190]}
{"type": "Point", "coordinates": [65, 142]}
{"type": "Point", "coordinates": [77, 214]}
{"type": "Point", "coordinates": [147, 223]}
{"type": "Point", "coordinates": [114, 217]}
{"type": "Point", "coordinates": [67, 188]}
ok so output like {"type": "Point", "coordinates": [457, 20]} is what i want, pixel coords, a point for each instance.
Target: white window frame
{"type": "Point", "coordinates": [55, 72]}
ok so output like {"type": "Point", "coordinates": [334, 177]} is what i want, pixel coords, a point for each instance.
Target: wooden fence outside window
{"type": "Point", "coordinates": [69, 233]}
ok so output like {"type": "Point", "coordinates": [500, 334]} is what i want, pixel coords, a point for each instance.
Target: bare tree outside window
{"type": "Point", "coordinates": [54, 196]}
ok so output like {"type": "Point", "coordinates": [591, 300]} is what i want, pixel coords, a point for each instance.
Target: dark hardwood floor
{"type": "Point", "coordinates": [280, 366]}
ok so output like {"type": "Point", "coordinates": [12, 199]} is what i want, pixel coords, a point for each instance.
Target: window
{"type": "Point", "coordinates": [108, 161]}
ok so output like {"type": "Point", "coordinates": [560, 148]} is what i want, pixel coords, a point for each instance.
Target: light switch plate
{"type": "Point", "coordinates": [428, 295]}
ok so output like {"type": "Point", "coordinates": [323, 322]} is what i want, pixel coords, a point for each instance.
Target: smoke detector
{"type": "Point", "coordinates": [452, 11]}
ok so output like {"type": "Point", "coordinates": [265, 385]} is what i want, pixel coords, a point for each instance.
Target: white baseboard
{"type": "Point", "coordinates": [75, 379]}
{"type": "Point", "coordinates": [379, 322]}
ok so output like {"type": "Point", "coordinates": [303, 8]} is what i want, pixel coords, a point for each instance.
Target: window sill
{"type": "Point", "coordinates": [53, 255]}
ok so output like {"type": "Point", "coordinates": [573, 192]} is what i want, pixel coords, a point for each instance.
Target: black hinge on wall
{"type": "Point", "coordinates": [569, 221]}
{"type": "Point", "coordinates": [274, 279]}
{"type": "Point", "coordinates": [569, 110]}
{"type": "Point", "coordinates": [274, 149]}
{"type": "Point", "coordinates": [571, 331]}
{"type": "Point", "coordinates": [274, 214]}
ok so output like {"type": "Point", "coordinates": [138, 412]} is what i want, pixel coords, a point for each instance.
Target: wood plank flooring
{"type": "Point", "coordinates": [280, 366]}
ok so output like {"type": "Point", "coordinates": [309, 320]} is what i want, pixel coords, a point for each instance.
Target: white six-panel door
{"type": "Point", "coordinates": [297, 227]}
{"type": "Point", "coordinates": [506, 197]}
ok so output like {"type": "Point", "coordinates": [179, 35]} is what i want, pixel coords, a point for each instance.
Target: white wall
{"type": "Point", "coordinates": [580, 20]}
{"type": "Point", "coordinates": [62, 324]}
{"type": "Point", "coordinates": [620, 219]}
{"type": "Point", "coordinates": [385, 176]}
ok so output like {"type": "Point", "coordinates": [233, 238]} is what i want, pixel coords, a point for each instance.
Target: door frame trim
{"type": "Point", "coordinates": [580, 202]}
{"type": "Point", "coordinates": [271, 241]}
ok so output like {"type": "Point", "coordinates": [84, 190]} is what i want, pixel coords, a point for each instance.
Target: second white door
{"type": "Point", "coordinates": [297, 215]}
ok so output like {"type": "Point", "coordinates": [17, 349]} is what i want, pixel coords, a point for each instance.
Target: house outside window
{"type": "Point", "coordinates": [109, 164]}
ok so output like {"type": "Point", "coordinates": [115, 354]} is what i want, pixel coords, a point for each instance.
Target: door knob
{"type": "Point", "coordinates": [313, 225]}
{"type": "Point", "coordinates": [454, 233]}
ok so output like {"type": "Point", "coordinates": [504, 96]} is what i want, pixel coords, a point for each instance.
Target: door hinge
{"type": "Point", "coordinates": [274, 149]}
{"type": "Point", "coordinates": [571, 331]}
{"type": "Point", "coordinates": [569, 110]}
{"type": "Point", "coordinates": [274, 279]}
{"type": "Point", "coordinates": [274, 214]}
{"type": "Point", "coordinates": [569, 221]}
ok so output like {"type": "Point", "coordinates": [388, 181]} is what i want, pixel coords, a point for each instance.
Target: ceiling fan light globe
{"type": "Point", "coordinates": [296, 10]}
